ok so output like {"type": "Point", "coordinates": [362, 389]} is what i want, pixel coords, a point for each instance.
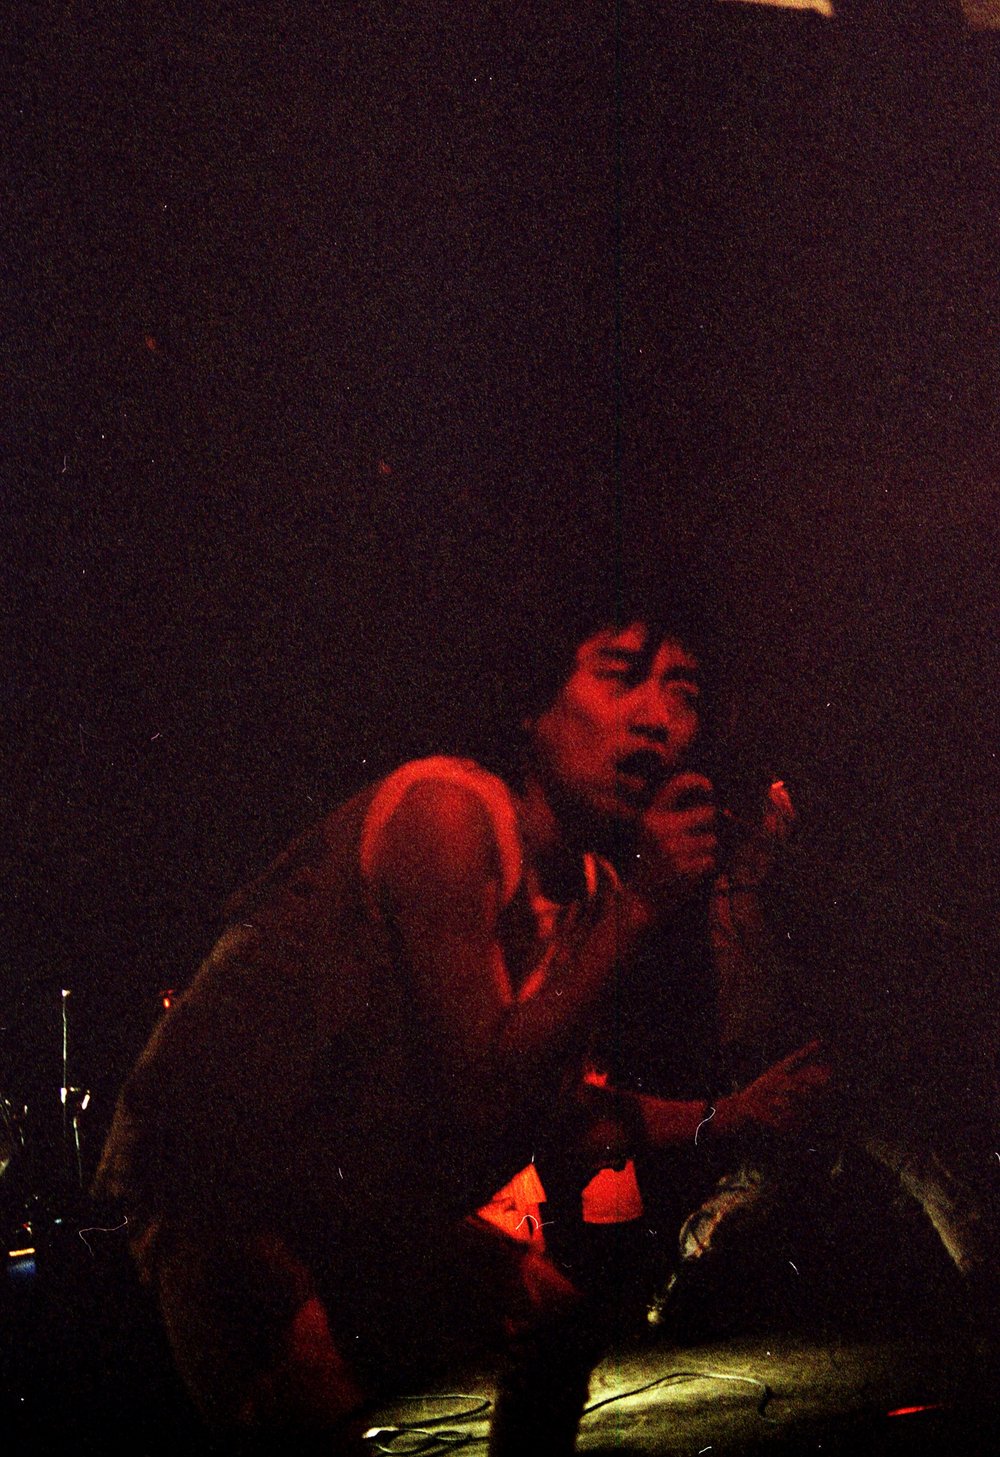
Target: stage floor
{"type": "Point", "coordinates": [84, 1370]}
{"type": "Point", "coordinates": [770, 1393]}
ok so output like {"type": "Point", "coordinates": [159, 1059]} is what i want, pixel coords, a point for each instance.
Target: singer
{"type": "Point", "coordinates": [407, 1008]}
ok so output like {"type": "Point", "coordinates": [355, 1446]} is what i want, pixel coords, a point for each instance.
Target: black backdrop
{"type": "Point", "coordinates": [344, 338]}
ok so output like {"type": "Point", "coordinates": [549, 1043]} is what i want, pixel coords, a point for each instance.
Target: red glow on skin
{"type": "Point", "coordinates": [384, 469]}
{"type": "Point", "coordinates": [908, 1411]}
{"type": "Point", "coordinates": [151, 344]}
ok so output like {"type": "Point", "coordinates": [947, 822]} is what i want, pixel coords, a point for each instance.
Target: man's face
{"type": "Point", "coordinates": [621, 725]}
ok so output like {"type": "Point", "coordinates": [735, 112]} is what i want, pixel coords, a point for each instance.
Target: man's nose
{"type": "Point", "coordinates": [652, 718]}
{"type": "Point", "coordinates": [654, 733]}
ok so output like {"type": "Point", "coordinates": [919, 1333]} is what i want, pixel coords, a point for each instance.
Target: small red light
{"type": "Point", "coordinates": [908, 1411]}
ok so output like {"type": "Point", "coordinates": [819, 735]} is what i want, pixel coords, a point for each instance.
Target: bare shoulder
{"type": "Point", "coordinates": [439, 836]}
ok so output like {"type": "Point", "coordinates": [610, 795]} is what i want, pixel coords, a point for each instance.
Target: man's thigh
{"type": "Point", "coordinates": [412, 1305]}
{"type": "Point", "coordinates": [264, 1338]}
{"type": "Point", "coordinates": [249, 1334]}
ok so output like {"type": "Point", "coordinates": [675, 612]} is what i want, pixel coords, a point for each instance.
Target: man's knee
{"type": "Point", "coordinates": [250, 1336]}
{"type": "Point", "coordinates": [545, 1292]}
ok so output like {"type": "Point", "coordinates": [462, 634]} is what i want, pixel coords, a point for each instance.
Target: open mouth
{"type": "Point", "coordinates": [642, 772]}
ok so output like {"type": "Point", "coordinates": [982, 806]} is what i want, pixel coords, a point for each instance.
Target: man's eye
{"type": "Point", "coordinates": [687, 693]}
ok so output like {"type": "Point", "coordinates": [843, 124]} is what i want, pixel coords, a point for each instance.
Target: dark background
{"type": "Point", "coordinates": [342, 341]}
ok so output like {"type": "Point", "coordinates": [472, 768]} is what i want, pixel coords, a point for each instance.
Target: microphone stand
{"type": "Point", "coordinates": [72, 1098]}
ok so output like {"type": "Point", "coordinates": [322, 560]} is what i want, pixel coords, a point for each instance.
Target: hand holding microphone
{"type": "Point", "coordinates": [678, 846]}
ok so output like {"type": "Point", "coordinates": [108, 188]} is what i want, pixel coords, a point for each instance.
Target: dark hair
{"type": "Point", "coordinates": [543, 636]}
{"type": "Point", "coordinates": [551, 641]}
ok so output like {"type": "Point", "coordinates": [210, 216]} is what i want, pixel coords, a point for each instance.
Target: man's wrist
{"type": "Point", "coordinates": [726, 1117]}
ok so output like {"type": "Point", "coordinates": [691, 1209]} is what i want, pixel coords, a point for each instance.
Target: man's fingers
{"type": "Point", "coordinates": [671, 794]}
{"type": "Point", "coordinates": [698, 866]}
{"type": "Point", "coordinates": [681, 821]}
{"type": "Point", "coordinates": [801, 1055]}
{"type": "Point", "coordinates": [701, 816]}
{"type": "Point", "coordinates": [817, 1075]}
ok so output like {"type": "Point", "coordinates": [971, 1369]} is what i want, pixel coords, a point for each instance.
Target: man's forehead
{"type": "Point", "coordinates": [637, 640]}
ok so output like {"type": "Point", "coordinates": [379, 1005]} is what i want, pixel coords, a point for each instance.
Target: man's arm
{"type": "Point", "coordinates": [612, 1125]}
{"type": "Point", "coordinates": [438, 877]}
{"type": "Point", "coordinates": [785, 1095]}
{"type": "Point", "coordinates": [752, 968]}
{"type": "Point", "coordinates": [779, 1101]}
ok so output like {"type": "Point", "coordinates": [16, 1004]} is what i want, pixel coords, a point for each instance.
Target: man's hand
{"type": "Point", "coordinates": [677, 846]}
{"type": "Point", "coordinates": [782, 1099]}
{"type": "Point", "coordinates": [760, 846]}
